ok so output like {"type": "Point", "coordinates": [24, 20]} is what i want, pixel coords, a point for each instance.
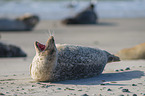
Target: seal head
{"type": "Point", "coordinates": [44, 61]}
{"type": "Point", "coordinates": [29, 20]}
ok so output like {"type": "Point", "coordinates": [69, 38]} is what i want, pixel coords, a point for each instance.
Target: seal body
{"type": "Point", "coordinates": [136, 52]}
{"type": "Point", "coordinates": [70, 62]}
{"type": "Point", "coordinates": [26, 22]}
{"type": "Point", "coordinates": [76, 62]}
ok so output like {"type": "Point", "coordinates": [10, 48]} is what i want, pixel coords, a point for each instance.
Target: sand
{"type": "Point", "coordinates": [125, 78]}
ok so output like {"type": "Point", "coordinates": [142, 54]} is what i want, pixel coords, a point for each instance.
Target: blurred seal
{"type": "Point", "coordinates": [136, 52]}
{"type": "Point", "coordinates": [26, 22]}
{"type": "Point", "coordinates": [11, 51]}
{"type": "Point", "coordinates": [88, 16]}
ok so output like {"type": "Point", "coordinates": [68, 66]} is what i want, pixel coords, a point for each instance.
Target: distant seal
{"type": "Point", "coordinates": [11, 51]}
{"type": "Point", "coordinates": [57, 62]}
{"type": "Point", "coordinates": [136, 52]}
{"type": "Point", "coordinates": [26, 22]}
{"type": "Point", "coordinates": [88, 16]}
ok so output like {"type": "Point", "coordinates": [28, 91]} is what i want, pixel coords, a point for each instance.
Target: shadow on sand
{"type": "Point", "coordinates": [106, 24]}
{"type": "Point", "coordinates": [108, 77]}
{"type": "Point", "coordinates": [98, 24]}
{"type": "Point", "coordinates": [19, 31]}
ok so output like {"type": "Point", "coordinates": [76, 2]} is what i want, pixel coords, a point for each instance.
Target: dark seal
{"type": "Point", "coordinates": [11, 51]}
{"type": "Point", "coordinates": [88, 16]}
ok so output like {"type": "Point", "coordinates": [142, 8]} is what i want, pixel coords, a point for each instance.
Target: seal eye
{"type": "Point", "coordinates": [41, 46]}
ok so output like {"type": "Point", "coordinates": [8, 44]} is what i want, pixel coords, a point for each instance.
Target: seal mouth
{"type": "Point", "coordinates": [40, 46]}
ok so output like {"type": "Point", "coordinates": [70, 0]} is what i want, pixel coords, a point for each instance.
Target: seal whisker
{"type": "Point", "coordinates": [51, 32]}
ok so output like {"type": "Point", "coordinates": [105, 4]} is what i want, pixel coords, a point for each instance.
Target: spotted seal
{"type": "Point", "coordinates": [26, 22]}
{"type": "Point", "coordinates": [136, 52]}
{"type": "Point", "coordinates": [57, 62]}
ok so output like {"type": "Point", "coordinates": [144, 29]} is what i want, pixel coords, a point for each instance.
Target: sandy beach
{"type": "Point", "coordinates": [124, 78]}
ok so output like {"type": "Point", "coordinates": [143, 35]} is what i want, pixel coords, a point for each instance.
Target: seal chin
{"type": "Point", "coordinates": [40, 46]}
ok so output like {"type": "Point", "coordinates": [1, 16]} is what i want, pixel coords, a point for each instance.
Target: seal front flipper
{"type": "Point", "coordinates": [30, 68]}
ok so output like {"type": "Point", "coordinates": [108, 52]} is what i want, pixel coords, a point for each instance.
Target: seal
{"type": "Point", "coordinates": [11, 51]}
{"type": "Point", "coordinates": [88, 16]}
{"type": "Point", "coordinates": [59, 62]}
{"type": "Point", "coordinates": [26, 22]}
{"type": "Point", "coordinates": [136, 52]}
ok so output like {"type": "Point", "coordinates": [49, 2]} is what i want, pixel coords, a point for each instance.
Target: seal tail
{"type": "Point", "coordinates": [111, 57]}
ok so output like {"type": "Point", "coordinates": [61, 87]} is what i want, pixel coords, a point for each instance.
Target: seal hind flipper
{"type": "Point", "coordinates": [111, 57]}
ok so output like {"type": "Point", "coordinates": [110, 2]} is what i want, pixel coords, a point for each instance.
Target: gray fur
{"type": "Point", "coordinates": [76, 62]}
